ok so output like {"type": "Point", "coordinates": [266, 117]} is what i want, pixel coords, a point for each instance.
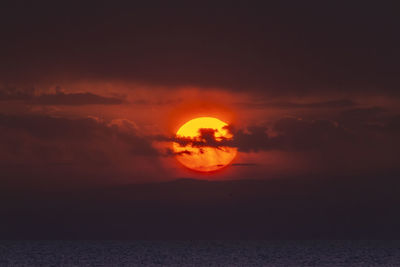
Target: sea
{"type": "Point", "coordinates": [200, 253]}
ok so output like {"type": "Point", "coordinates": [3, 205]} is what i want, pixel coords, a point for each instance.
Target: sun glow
{"type": "Point", "coordinates": [204, 158]}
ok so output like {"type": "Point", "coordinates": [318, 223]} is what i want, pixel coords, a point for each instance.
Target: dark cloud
{"type": "Point", "coordinates": [59, 98]}
{"type": "Point", "coordinates": [171, 152]}
{"type": "Point", "coordinates": [158, 103]}
{"type": "Point", "coordinates": [393, 124]}
{"type": "Point", "coordinates": [352, 127]}
{"type": "Point", "coordinates": [355, 140]}
{"type": "Point", "coordinates": [297, 134]}
{"type": "Point", "coordinates": [269, 47]}
{"type": "Point", "coordinates": [389, 124]}
{"type": "Point", "coordinates": [55, 148]}
{"type": "Point", "coordinates": [362, 116]}
{"type": "Point", "coordinates": [324, 146]}
{"type": "Point", "coordinates": [78, 131]}
{"type": "Point", "coordinates": [292, 135]}
{"type": "Point", "coordinates": [372, 121]}
{"type": "Point", "coordinates": [76, 99]}
{"type": "Point", "coordinates": [12, 93]}
{"type": "Point", "coordinates": [246, 140]}
{"type": "Point", "coordinates": [341, 103]}
{"type": "Point", "coordinates": [245, 164]}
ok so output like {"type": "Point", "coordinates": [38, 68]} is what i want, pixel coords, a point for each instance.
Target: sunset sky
{"type": "Point", "coordinates": [93, 94]}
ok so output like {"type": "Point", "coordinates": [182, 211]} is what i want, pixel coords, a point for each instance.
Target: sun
{"type": "Point", "coordinates": [204, 158]}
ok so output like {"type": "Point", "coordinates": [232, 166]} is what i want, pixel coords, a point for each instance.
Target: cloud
{"type": "Point", "coordinates": [245, 164]}
{"type": "Point", "coordinates": [77, 131]}
{"type": "Point", "coordinates": [371, 119]}
{"type": "Point", "coordinates": [75, 99]}
{"type": "Point", "coordinates": [12, 93]}
{"type": "Point", "coordinates": [59, 98]}
{"type": "Point", "coordinates": [393, 124]}
{"type": "Point", "coordinates": [53, 147]}
{"type": "Point", "coordinates": [292, 134]}
{"type": "Point", "coordinates": [360, 116]}
{"type": "Point", "coordinates": [362, 113]}
{"type": "Point", "coordinates": [171, 152]}
{"type": "Point", "coordinates": [341, 103]}
{"type": "Point", "coordinates": [363, 143]}
{"type": "Point", "coordinates": [161, 102]}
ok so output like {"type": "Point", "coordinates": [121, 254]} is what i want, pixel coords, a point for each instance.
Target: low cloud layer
{"type": "Point", "coordinates": [364, 143]}
{"type": "Point", "coordinates": [291, 134]}
{"type": "Point", "coordinates": [338, 103]}
{"type": "Point", "coordinates": [59, 148]}
{"type": "Point", "coordinates": [44, 146]}
{"type": "Point", "coordinates": [59, 98]}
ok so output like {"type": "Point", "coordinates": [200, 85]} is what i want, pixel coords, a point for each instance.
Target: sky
{"type": "Point", "coordinates": [90, 94]}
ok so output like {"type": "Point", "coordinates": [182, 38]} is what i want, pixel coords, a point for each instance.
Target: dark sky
{"type": "Point", "coordinates": [91, 93]}
{"type": "Point", "coordinates": [290, 47]}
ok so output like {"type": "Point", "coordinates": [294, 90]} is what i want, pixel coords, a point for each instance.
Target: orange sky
{"type": "Point", "coordinates": [148, 111]}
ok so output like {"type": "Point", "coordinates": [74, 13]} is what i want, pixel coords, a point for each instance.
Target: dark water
{"type": "Point", "coordinates": [199, 253]}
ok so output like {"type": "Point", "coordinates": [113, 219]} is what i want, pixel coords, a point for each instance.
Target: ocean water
{"type": "Point", "coordinates": [199, 253]}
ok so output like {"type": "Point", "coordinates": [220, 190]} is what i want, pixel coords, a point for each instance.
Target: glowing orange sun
{"type": "Point", "coordinates": [203, 158]}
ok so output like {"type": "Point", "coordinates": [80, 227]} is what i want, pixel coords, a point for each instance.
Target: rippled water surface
{"type": "Point", "coordinates": [200, 253]}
